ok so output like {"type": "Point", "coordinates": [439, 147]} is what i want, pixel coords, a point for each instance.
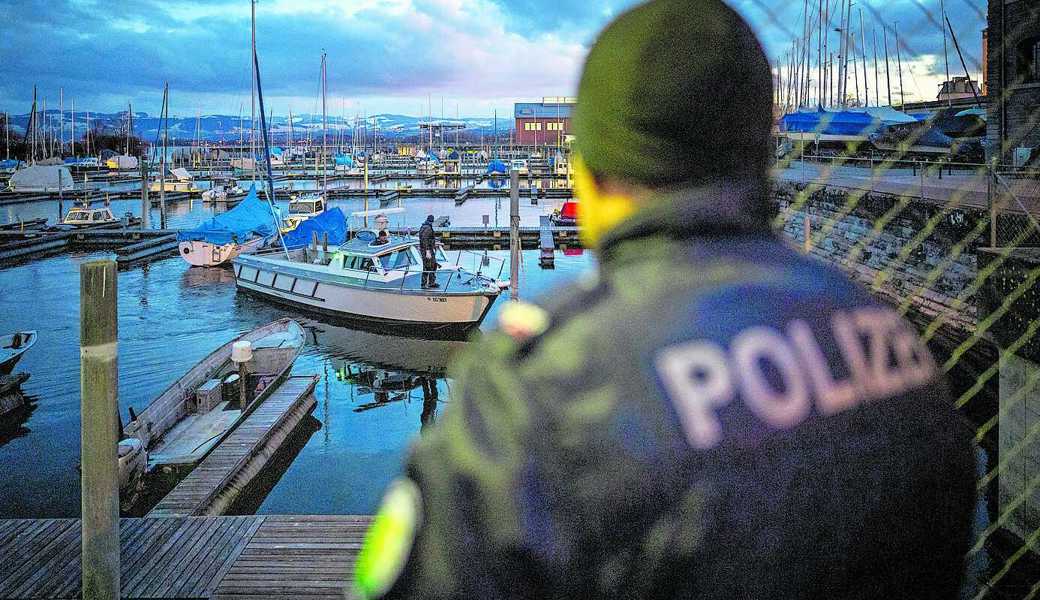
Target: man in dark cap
{"type": "Point", "coordinates": [713, 415]}
{"type": "Point", "coordinates": [428, 249]}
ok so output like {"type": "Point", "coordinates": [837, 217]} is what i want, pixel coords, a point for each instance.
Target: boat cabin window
{"type": "Point", "coordinates": [399, 260]}
{"type": "Point", "coordinates": [359, 263]}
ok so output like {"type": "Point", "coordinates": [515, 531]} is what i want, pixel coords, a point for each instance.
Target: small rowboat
{"type": "Point", "coordinates": [198, 410]}
{"type": "Point", "coordinates": [12, 347]}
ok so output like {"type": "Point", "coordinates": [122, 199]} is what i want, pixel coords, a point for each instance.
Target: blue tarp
{"type": "Point", "coordinates": [10, 164]}
{"type": "Point", "coordinates": [862, 122]}
{"type": "Point", "coordinates": [276, 151]}
{"type": "Point", "coordinates": [497, 166]}
{"type": "Point", "coordinates": [345, 160]}
{"type": "Point", "coordinates": [251, 217]}
{"type": "Point", "coordinates": [332, 221]}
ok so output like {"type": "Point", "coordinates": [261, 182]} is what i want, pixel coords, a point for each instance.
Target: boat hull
{"type": "Point", "coordinates": [9, 355]}
{"type": "Point", "coordinates": [203, 254]}
{"type": "Point", "coordinates": [390, 309]}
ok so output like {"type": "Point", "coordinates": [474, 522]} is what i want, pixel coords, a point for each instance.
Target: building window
{"type": "Point", "coordinates": [537, 126]}
{"type": "Point", "coordinates": [1029, 60]}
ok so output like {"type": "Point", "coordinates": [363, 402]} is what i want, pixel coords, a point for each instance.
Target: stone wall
{"type": "Point", "coordinates": [929, 275]}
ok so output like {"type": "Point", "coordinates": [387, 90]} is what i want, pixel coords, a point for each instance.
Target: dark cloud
{"type": "Point", "coordinates": [102, 55]}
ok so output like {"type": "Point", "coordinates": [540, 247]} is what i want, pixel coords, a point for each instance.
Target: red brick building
{"type": "Point", "coordinates": [545, 123]}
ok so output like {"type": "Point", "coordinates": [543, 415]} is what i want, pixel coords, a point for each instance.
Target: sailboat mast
{"type": "Point", "coordinates": [252, 91]}
{"type": "Point", "coordinates": [877, 78]}
{"type": "Point", "coordinates": [888, 69]}
{"type": "Point", "coordinates": [946, 54]}
{"type": "Point", "coordinates": [324, 129]}
{"type": "Point", "coordinates": [899, 64]}
{"type": "Point", "coordinates": [863, 55]}
{"type": "Point", "coordinates": [819, 58]}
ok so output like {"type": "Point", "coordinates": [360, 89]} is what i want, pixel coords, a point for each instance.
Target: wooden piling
{"type": "Point", "coordinates": [99, 419]}
{"type": "Point", "coordinates": [514, 234]}
{"type": "Point", "coordinates": [145, 204]}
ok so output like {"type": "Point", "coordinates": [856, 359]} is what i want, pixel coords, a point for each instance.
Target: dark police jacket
{"type": "Point", "coordinates": [427, 241]}
{"type": "Point", "coordinates": [716, 416]}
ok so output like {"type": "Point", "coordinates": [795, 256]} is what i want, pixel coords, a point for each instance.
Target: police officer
{"type": "Point", "coordinates": [713, 416]}
{"type": "Point", "coordinates": [428, 250]}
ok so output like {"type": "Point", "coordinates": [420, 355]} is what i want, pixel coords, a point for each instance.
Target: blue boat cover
{"type": "Point", "coordinates": [276, 151]}
{"type": "Point", "coordinates": [497, 166]}
{"type": "Point", "coordinates": [332, 221]}
{"type": "Point", "coordinates": [862, 122]}
{"type": "Point", "coordinates": [345, 159]}
{"type": "Point", "coordinates": [251, 217]}
{"type": "Point", "coordinates": [10, 164]}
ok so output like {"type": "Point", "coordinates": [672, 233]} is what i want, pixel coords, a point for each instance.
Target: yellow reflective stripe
{"type": "Point", "coordinates": [388, 541]}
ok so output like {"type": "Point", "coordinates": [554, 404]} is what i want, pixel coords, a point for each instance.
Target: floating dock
{"type": "Point", "coordinates": [216, 482]}
{"type": "Point", "coordinates": [189, 557]}
{"type": "Point", "coordinates": [130, 245]}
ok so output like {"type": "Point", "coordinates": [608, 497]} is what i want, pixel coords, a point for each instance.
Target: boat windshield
{"type": "Point", "coordinates": [398, 260]}
{"type": "Point", "coordinates": [359, 263]}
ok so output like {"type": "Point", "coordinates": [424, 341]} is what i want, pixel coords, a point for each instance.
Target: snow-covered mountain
{"type": "Point", "coordinates": [232, 128]}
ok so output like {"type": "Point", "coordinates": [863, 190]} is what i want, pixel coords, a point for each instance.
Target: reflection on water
{"type": "Point", "coordinates": [13, 424]}
{"type": "Point", "coordinates": [172, 316]}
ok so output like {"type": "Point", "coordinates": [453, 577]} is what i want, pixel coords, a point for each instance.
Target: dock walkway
{"type": "Point", "coordinates": [213, 485]}
{"type": "Point", "coordinates": [189, 557]}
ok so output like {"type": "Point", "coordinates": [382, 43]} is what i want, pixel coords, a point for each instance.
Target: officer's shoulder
{"type": "Point", "coordinates": [523, 327]}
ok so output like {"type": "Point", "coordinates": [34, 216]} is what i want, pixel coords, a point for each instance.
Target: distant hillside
{"type": "Point", "coordinates": [230, 128]}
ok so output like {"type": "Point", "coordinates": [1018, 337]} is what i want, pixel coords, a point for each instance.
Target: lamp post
{"type": "Point", "coordinates": [241, 354]}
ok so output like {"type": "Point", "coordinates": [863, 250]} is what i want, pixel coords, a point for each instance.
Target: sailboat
{"type": "Point", "coordinates": [245, 228]}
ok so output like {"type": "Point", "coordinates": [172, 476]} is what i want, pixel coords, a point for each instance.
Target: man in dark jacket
{"type": "Point", "coordinates": [428, 249]}
{"type": "Point", "coordinates": [713, 415]}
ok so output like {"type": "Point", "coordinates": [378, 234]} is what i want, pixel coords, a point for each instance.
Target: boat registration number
{"type": "Point", "coordinates": [433, 299]}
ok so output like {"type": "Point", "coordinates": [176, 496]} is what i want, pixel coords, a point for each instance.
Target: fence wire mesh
{"type": "Point", "coordinates": [947, 232]}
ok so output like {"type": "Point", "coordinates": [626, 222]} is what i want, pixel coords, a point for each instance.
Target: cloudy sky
{"type": "Point", "coordinates": [470, 56]}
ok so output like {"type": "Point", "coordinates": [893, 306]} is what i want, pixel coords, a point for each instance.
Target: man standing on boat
{"type": "Point", "coordinates": [428, 249]}
{"type": "Point", "coordinates": [714, 415]}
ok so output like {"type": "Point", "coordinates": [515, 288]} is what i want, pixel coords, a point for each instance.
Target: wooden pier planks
{"type": "Point", "coordinates": [189, 557]}
{"type": "Point", "coordinates": [296, 557]}
{"type": "Point", "coordinates": [213, 485]}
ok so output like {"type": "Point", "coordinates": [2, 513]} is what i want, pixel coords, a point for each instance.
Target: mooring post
{"type": "Point", "coordinates": [61, 199]}
{"type": "Point", "coordinates": [514, 234]}
{"type": "Point", "coordinates": [99, 418]}
{"type": "Point", "coordinates": [145, 207]}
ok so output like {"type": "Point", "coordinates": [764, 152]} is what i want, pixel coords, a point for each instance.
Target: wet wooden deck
{"type": "Point", "coordinates": [214, 484]}
{"type": "Point", "coordinates": [189, 557]}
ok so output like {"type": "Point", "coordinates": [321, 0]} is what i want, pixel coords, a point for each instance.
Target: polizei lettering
{"type": "Point", "coordinates": [781, 376]}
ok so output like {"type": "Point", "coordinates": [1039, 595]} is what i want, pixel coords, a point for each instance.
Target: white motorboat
{"type": "Point", "coordinates": [85, 216]}
{"type": "Point", "coordinates": [223, 191]}
{"type": "Point", "coordinates": [373, 283]}
{"type": "Point", "coordinates": [12, 347]}
{"type": "Point", "coordinates": [303, 207]}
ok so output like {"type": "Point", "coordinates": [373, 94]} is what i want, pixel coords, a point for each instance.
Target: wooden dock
{"type": "Point", "coordinates": [213, 485]}
{"type": "Point", "coordinates": [189, 557]}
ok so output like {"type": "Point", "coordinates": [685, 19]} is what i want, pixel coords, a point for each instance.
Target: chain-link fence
{"type": "Point", "coordinates": [935, 206]}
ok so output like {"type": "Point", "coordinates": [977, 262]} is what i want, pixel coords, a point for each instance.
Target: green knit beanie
{"type": "Point", "coordinates": [676, 92]}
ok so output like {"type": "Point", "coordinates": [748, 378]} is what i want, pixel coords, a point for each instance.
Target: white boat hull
{"type": "Point", "coordinates": [416, 307]}
{"type": "Point", "coordinates": [204, 254]}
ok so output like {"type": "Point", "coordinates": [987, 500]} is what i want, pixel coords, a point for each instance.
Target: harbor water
{"type": "Point", "coordinates": [374, 394]}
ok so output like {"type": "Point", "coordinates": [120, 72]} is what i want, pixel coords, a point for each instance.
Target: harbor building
{"type": "Point", "coordinates": [1013, 81]}
{"type": "Point", "coordinates": [543, 123]}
